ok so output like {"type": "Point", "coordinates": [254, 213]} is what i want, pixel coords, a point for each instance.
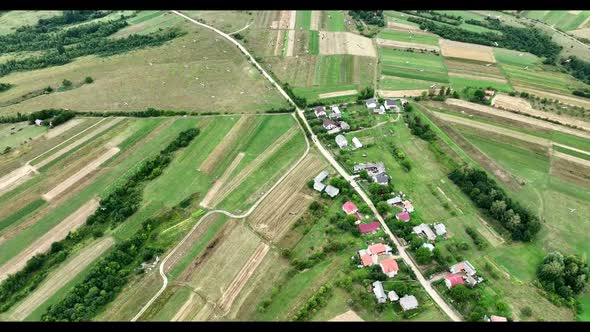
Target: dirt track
{"type": "Point", "coordinates": [43, 243]}
{"type": "Point", "coordinates": [290, 43]}
{"type": "Point", "coordinates": [60, 277]}
{"type": "Point", "coordinates": [243, 276]}
{"type": "Point", "coordinates": [405, 45]}
{"type": "Point", "coordinates": [229, 140]}
{"type": "Point", "coordinates": [221, 181]}
{"type": "Point", "coordinates": [60, 188]}
{"type": "Point", "coordinates": [349, 316]}
{"type": "Point", "coordinates": [15, 178]}
{"type": "Point", "coordinates": [453, 49]}
{"type": "Point", "coordinates": [346, 43]}
{"type": "Point", "coordinates": [337, 94]}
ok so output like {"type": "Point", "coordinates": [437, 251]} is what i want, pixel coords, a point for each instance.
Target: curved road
{"type": "Point", "coordinates": [402, 253]}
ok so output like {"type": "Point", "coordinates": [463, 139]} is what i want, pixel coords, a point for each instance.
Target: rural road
{"type": "Point", "coordinates": [427, 286]}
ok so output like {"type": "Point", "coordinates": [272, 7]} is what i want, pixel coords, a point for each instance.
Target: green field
{"type": "Point", "coordinates": [22, 132]}
{"type": "Point", "coordinates": [11, 20]}
{"type": "Point", "coordinates": [459, 83]}
{"type": "Point", "coordinates": [561, 19]}
{"type": "Point", "coordinates": [314, 42]}
{"type": "Point", "coordinates": [543, 80]}
{"type": "Point", "coordinates": [398, 83]}
{"type": "Point", "coordinates": [572, 152]}
{"type": "Point", "coordinates": [414, 65]}
{"type": "Point", "coordinates": [334, 20]}
{"type": "Point", "coordinates": [408, 37]}
{"type": "Point", "coordinates": [303, 20]}
{"type": "Point", "coordinates": [514, 58]}
{"type": "Point", "coordinates": [20, 214]}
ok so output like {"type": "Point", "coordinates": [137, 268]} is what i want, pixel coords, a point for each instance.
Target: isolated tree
{"type": "Point", "coordinates": [423, 255]}
{"type": "Point", "coordinates": [66, 83]}
{"type": "Point", "coordinates": [88, 80]}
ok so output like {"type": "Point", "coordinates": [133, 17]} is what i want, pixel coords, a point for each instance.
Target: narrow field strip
{"type": "Point", "coordinates": [80, 174]}
{"type": "Point", "coordinates": [54, 132]}
{"type": "Point", "coordinates": [221, 181]}
{"type": "Point", "coordinates": [337, 94]}
{"type": "Point", "coordinates": [184, 310]}
{"type": "Point", "coordinates": [60, 277]}
{"type": "Point", "coordinates": [479, 77]}
{"type": "Point", "coordinates": [571, 158]}
{"type": "Point", "coordinates": [43, 244]}
{"type": "Point", "coordinates": [230, 139]}
{"type": "Point", "coordinates": [405, 45]}
{"type": "Point", "coordinates": [15, 178]}
{"type": "Point", "coordinates": [401, 93]}
{"type": "Point", "coordinates": [243, 276]}
{"type": "Point", "coordinates": [290, 42]}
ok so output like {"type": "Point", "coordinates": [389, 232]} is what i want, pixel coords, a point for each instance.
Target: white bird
{"type": "Point", "coordinates": [572, 210]}
{"type": "Point", "coordinates": [489, 64]}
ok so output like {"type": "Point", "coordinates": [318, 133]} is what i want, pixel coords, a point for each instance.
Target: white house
{"type": "Point", "coordinates": [465, 267]}
{"type": "Point", "coordinates": [440, 229]}
{"type": "Point", "coordinates": [336, 114]}
{"type": "Point", "coordinates": [322, 176]}
{"type": "Point", "coordinates": [332, 191]}
{"type": "Point", "coordinates": [318, 186]}
{"type": "Point", "coordinates": [392, 295]}
{"type": "Point", "coordinates": [424, 229]}
{"type": "Point", "coordinates": [389, 103]}
{"type": "Point", "coordinates": [429, 246]}
{"type": "Point", "coordinates": [380, 110]}
{"type": "Point", "coordinates": [334, 131]}
{"type": "Point", "coordinates": [408, 302]}
{"type": "Point", "coordinates": [38, 122]}
{"type": "Point", "coordinates": [371, 103]}
{"type": "Point", "coordinates": [379, 292]}
{"type": "Point", "coordinates": [344, 125]}
{"type": "Point", "coordinates": [341, 141]}
{"type": "Point", "coordinates": [357, 143]}
{"type": "Point", "coordinates": [320, 111]}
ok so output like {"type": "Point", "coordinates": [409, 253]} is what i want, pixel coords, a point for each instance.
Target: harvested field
{"type": "Point", "coordinates": [290, 42]}
{"type": "Point", "coordinates": [286, 203]}
{"type": "Point", "coordinates": [404, 27]}
{"type": "Point", "coordinates": [479, 77]}
{"type": "Point", "coordinates": [570, 168]}
{"type": "Point", "coordinates": [243, 276]}
{"type": "Point", "coordinates": [405, 45]}
{"type": "Point", "coordinates": [222, 180]}
{"type": "Point", "coordinates": [286, 20]}
{"type": "Point", "coordinates": [43, 244]}
{"type": "Point", "coordinates": [54, 132]}
{"type": "Point", "coordinates": [184, 310]}
{"type": "Point", "coordinates": [316, 18]}
{"type": "Point", "coordinates": [472, 67]}
{"type": "Point", "coordinates": [60, 277]}
{"type": "Point", "coordinates": [565, 99]}
{"type": "Point", "coordinates": [349, 316]}
{"type": "Point", "coordinates": [581, 33]}
{"type": "Point", "coordinates": [453, 49]}
{"type": "Point", "coordinates": [15, 178]}
{"type": "Point", "coordinates": [346, 43]}
{"type": "Point", "coordinates": [230, 139]}
{"type": "Point", "coordinates": [401, 93]}
{"type": "Point", "coordinates": [517, 117]}
{"type": "Point", "coordinates": [252, 167]}
{"type": "Point", "coordinates": [337, 94]}
{"type": "Point", "coordinates": [80, 174]}
{"type": "Point", "coordinates": [279, 42]}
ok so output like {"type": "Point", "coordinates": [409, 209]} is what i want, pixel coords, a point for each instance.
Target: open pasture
{"type": "Point", "coordinates": [560, 19]}
{"type": "Point", "coordinates": [408, 37]}
{"type": "Point", "coordinates": [413, 65]}
{"type": "Point", "coordinates": [13, 19]}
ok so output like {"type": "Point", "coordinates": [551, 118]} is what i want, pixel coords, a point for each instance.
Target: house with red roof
{"type": "Point", "coordinates": [452, 280]}
{"type": "Point", "coordinates": [370, 256]}
{"type": "Point", "coordinates": [349, 208]}
{"type": "Point", "coordinates": [389, 267]}
{"type": "Point", "coordinates": [405, 216]}
{"type": "Point", "coordinates": [367, 259]}
{"type": "Point", "coordinates": [371, 227]}
{"type": "Point", "coordinates": [494, 318]}
{"type": "Point", "coordinates": [377, 249]}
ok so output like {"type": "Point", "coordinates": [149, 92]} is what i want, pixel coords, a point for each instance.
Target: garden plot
{"type": "Point", "coordinates": [453, 49]}
{"type": "Point", "coordinates": [243, 125]}
{"type": "Point", "coordinates": [413, 65]}
{"type": "Point", "coordinates": [346, 43]}
{"type": "Point", "coordinates": [405, 45]}
{"type": "Point", "coordinates": [337, 94]}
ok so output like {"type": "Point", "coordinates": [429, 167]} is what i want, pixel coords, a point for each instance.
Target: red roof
{"type": "Point", "coordinates": [377, 249]}
{"type": "Point", "coordinates": [403, 216]}
{"type": "Point", "coordinates": [454, 279]}
{"type": "Point", "coordinates": [367, 260]}
{"type": "Point", "coordinates": [389, 265]}
{"type": "Point", "coordinates": [349, 207]}
{"type": "Point", "coordinates": [495, 318]}
{"type": "Point", "coordinates": [490, 92]}
{"type": "Point", "coordinates": [369, 228]}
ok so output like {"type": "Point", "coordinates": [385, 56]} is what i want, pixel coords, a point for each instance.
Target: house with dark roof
{"type": "Point", "coordinates": [371, 102]}
{"type": "Point", "coordinates": [329, 125]}
{"type": "Point", "coordinates": [381, 178]}
{"type": "Point", "coordinates": [394, 201]}
{"type": "Point", "coordinates": [371, 227]}
{"type": "Point", "coordinates": [332, 191]}
{"type": "Point", "coordinates": [320, 111]}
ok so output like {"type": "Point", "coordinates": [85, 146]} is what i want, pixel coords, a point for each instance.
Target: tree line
{"type": "Point", "coordinates": [417, 125]}
{"type": "Point", "coordinates": [488, 196]}
{"type": "Point", "coordinates": [118, 205]}
{"type": "Point", "coordinates": [68, 17]}
{"type": "Point", "coordinates": [5, 86]}
{"type": "Point", "coordinates": [432, 15]}
{"type": "Point", "coordinates": [579, 69]}
{"type": "Point", "coordinates": [373, 17]}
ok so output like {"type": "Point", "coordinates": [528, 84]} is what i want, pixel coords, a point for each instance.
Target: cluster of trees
{"type": "Point", "coordinates": [117, 206]}
{"type": "Point", "coordinates": [585, 94]}
{"type": "Point", "coordinates": [400, 156]}
{"type": "Point", "coordinates": [476, 237]}
{"type": "Point", "coordinates": [373, 17]}
{"type": "Point", "coordinates": [317, 301]}
{"type": "Point", "coordinates": [435, 16]}
{"type": "Point", "coordinates": [565, 276]}
{"type": "Point", "coordinates": [299, 101]}
{"type": "Point", "coordinates": [488, 196]}
{"type": "Point", "coordinates": [67, 17]}
{"type": "Point", "coordinates": [579, 69]}
{"type": "Point", "coordinates": [5, 86]}
{"type": "Point", "coordinates": [522, 39]}
{"type": "Point", "coordinates": [418, 126]}
{"type": "Point", "coordinates": [479, 96]}
{"type": "Point", "coordinates": [52, 116]}
{"type": "Point", "coordinates": [365, 94]}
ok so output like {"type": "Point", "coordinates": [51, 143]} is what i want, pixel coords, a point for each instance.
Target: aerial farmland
{"type": "Point", "coordinates": [294, 165]}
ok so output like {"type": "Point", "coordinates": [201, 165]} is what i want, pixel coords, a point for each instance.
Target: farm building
{"type": "Point", "coordinates": [394, 201]}
{"type": "Point", "coordinates": [344, 125]}
{"type": "Point", "coordinates": [357, 143]}
{"type": "Point", "coordinates": [371, 227]}
{"type": "Point", "coordinates": [371, 103]}
{"type": "Point", "coordinates": [389, 103]}
{"type": "Point", "coordinates": [381, 178]}
{"type": "Point", "coordinates": [334, 131]}
{"type": "Point", "coordinates": [379, 110]}
{"type": "Point", "coordinates": [366, 258]}
{"type": "Point", "coordinates": [424, 229]}
{"type": "Point", "coordinates": [341, 141]}
{"type": "Point", "coordinates": [452, 280]}
{"type": "Point", "coordinates": [332, 191]}
{"type": "Point", "coordinates": [379, 292]}
{"type": "Point", "coordinates": [464, 267]}
{"type": "Point", "coordinates": [378, 249]}
{"type": "Point", "coordinates": [408, 207]}
{"type": "Point", "coordinates": [429, 246]}
{"type": "Point", "coordinates": [404, 102]}
{"type": "Point", "coordinates": [329, 125]}
{"type": "Point", "coordinates": [494, 318]}
{"type": "Point", "coordinates": [322, 176]}
{"type": "Point", "coordinates": [370, 256]}
{"type": "Point", "coordinates": [440, 229]}
{"type": "Point", "coordinates": [320, 111]}
{"type": "Point", "coordinates": [336, 114]}
{"type": "Point", "coordinates": [371, 168]}
{"type": "Point", "coordinates": [392, 296]}
{"type": "Point", "coordinates": [349, 208]}
{"type": "Point", "coordinates": [38, 122]}
{"type": "Point", "coordinates": [389, 267]}
{"type": "Point", "coordinates": [408, 302]}
{"type": "Point", "coordinates": [403, 216]}
{"type": "Point", "coordinates": [318, 186]}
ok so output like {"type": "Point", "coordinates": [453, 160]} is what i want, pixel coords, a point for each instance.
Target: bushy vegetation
{"type": "Point", "coordinates": [5, 86]}
{"type": "Point", "coordinates": [565, 276]}
{"type": "Point", "coordinates": [417, 125]}
{"type": "Point", "coordinates": [476, 237]}
{"type": "Point", "coordinates": [400, 156]}
{"type": "Point", "coordinates": [365, 94]}
{"type": "Point", "coordinates": [68, 17]}
{"type": "Point", "coordinates": [317, 301]}
{"type": "Point", "coordinates": [488, 196]}
{"type": "Point", "coordinates": [373, 17]}
{"type": "Point", "coordinates": [299, 101]}
{"type": "Point", "coordinates": [114, 208]}
{"type": "Point", "coordinates": [435, 16]}
{"type": "Point", "coordinates": [579, 69]}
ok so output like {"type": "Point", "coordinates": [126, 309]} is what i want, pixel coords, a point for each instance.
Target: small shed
{"type": "Point", "coordinates": [392, 296]}
{"type": "Point", "coordinates": [408, 302]}
{"type": "Point", "coordinates": [440, 229]}
{"type": "Point", "coordinates": [357, 143]}
{"type": "Point", "coordinates": [318, 186]}
{"type": "Point", "coordinates": [341, 141]}
{"type": "Point", "coordinates": [332, 191]}
{"type": "Point", "coordinates": [344, 125]}
{"type": "Point", "coordinates": [322, 176]}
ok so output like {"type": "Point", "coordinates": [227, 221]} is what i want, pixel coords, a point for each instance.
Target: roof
{"type": "Point", "coordinates": [389, 265]}
{"type": "Point", "coordinates": [403, 216]}
{"type": "Point", "coordinates": [357, 143]}
{"type": "Point", "coordinates": [377, 249]}
{"type": "Point", "coordinates": [440, 229]}
{"type": "Point", "coordinates": [367, 260]}
{"type": "Point", "coordinates": [490, 92]}
{"type": "Point", "coordinates": [370, 101]}
{"type": "Point", "coordinates": [408, 302]}
{"type": "Point", "coordinates": [318, 186]}
{"type": "Point", "coordinates": [378, 291]}
{"type": "Point", "coordinates": [330, 123]}
{"type": "Point", "coordinates": [378, 167]}
{"type": "Point", "coordinates": [389, 102]}
{"type": "Point", "coordinates": [322, 176]}
{"type": "Point", "coordinates": [392, 296]}
{"type": "Point", "coordinates": [335, 109]}
{"type": "Point", "coordinates": [369, 227]}
{"type": "Point", "coordinates": [463, 266]}
{"type": "Point", "coordinates": [319, 109]}
{"type": "Point", "coordinates": [349, 207]}
{"type": "Point", "coordinates": [454, 279]}
{"type": "Point", "coordinates": [394, 200]}
{"type": "Point", "coordinates": [344, 125]}
{"type": "Point", "coordinates": [332, 191]}
{"type": "Point", "coordinates": [408, 205]}
{"type": "Point", "coordinates": [341, 141]}
{"type": "Point", "coordinates": [429, 246]}
{"type": "Point", "coordinates": [495, 318]}
{"type": "Point", "coordinates": [381, 178]}
{"type": "Point", "coordinates": [423, 228]}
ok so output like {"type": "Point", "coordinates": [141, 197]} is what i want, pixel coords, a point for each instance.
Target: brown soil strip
{"type": "Point", "coordinates": [570, 168]}
{"type": "Point", "coordinates": [566, 99]}
{"type": "Point", "coordinates": [184, 310]}
{"type": "Point", "coordinates": [60, 188]}
{"type": "Point", "coordinates": [349, 316]}
{"type": "Point", "coordinates": [292, 19]}
{"type": "Point", "coordinates": [290, 42]}
{"type": "Point", "coordinates": [401, 93]}
{"type": "Point", "coordinates": [60, 277]}
{"type": "Point", "coordinates": [469, 67]}
{"type": "Point", "coordinates": [479, 77]}
{"type": "Point", "coordinates": [79, 142]}
{"type": "Point", "coordinates": [337, 94]}
{"type": "Point", "coordinates": [346, 43]}
{"type": "Point", "coordinates": [53, 132]}
{"type": "Point", "coordinates": [285, 19]}
{"type": "Point", "coordinates": [230, 139]}
{"type": "Point", "coordinates": [15, 178]}
{"type": "Point", "coordinates": [461, 50]}
{"type": "Point", "coordinates": [316, 18]}
{"type": "Point", "coordinates": [406, 45]}
{"type": "Point", "coordinates": [219, 183]}
{"type": "Point", "coordinates": [243, 276]}
{"type": "Point", "coordinates": [404, 27]}
{"type": "Point", "coordinates": [252, 167]}
{"type": "Point", "coordinates": [43, 243]}
{"type": "Point", "coordinates": [571, 158]}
